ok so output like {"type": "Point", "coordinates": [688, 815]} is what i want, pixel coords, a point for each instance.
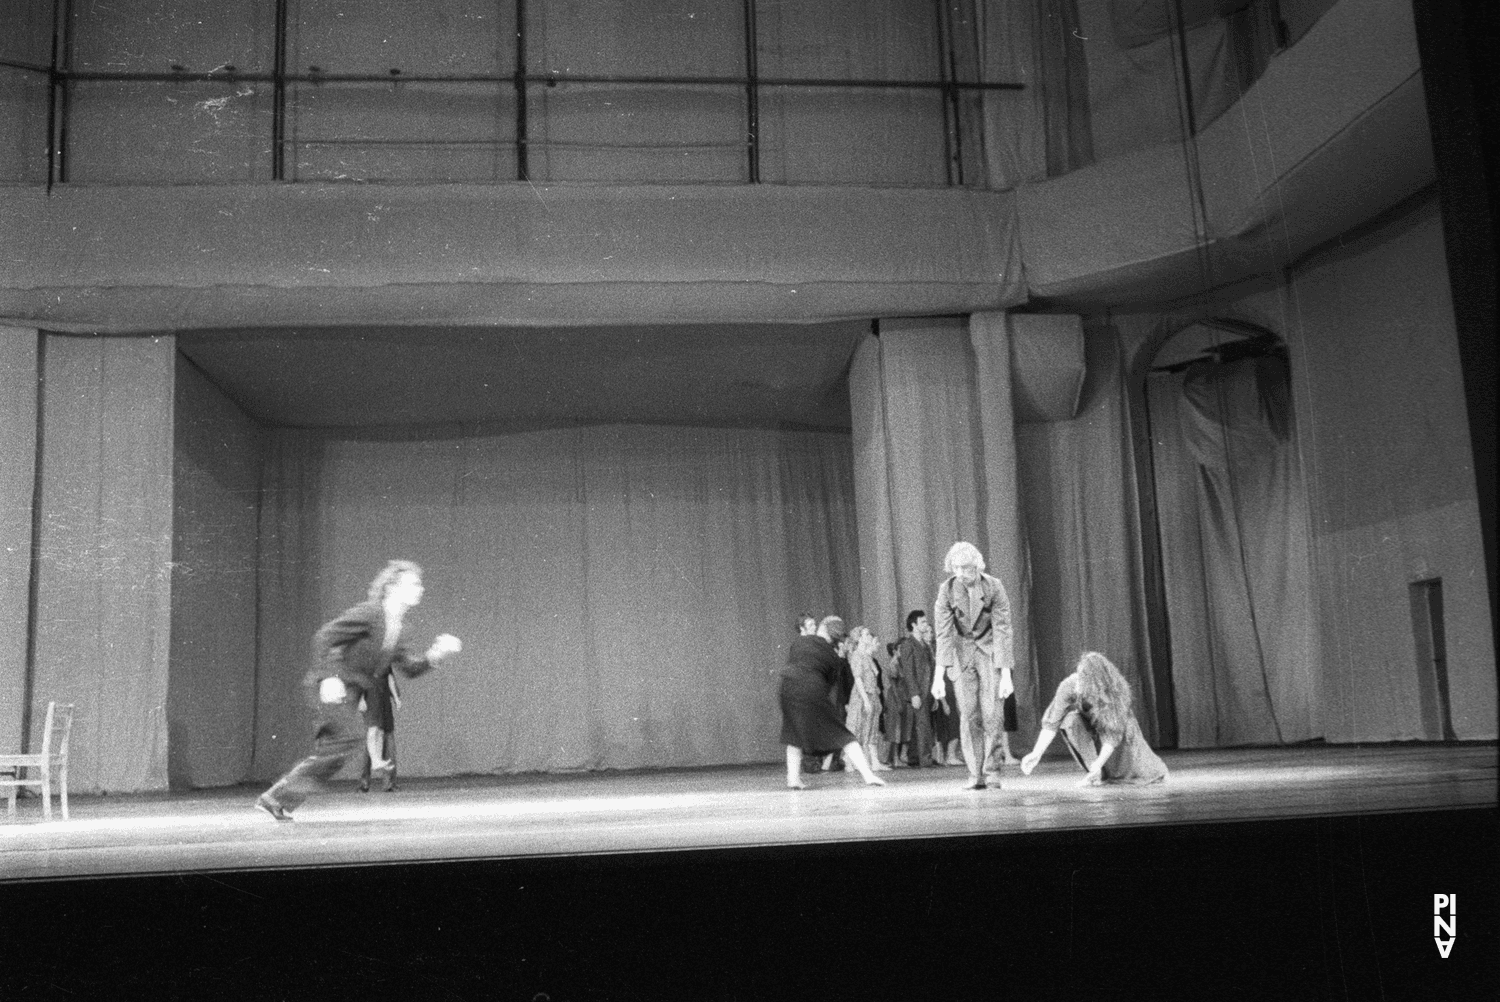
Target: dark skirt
{"type": "Point", "coordinates": [1008, 712]}
{"type": "Point", "coordinates": [808, 718]}
{"type": "Point", "coordinates": [379, 711]}
{"type": "Point", "coordinates": [945, 725]}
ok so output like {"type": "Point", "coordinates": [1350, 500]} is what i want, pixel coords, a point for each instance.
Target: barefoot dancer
{"type": "Point", "coordinates": [1092, 713]}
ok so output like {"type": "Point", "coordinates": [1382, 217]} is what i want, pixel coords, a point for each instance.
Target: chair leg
{"type": "Point", "coordinates": [62, 789]}
{"type": "Point", "coordinates": [10, 810]}
{"type": "Point", "coordinates": [46, 793]}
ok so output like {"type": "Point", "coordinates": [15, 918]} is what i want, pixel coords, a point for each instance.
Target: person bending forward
{"type": "Point", "coordinates": [1092, 711]}
{"type": "Point", "coordinates": [809, 721]}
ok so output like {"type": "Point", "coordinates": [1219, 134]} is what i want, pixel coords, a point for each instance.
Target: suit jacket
{"type": "Point", "coordinates": [352, 648]}
{"type": "Point", "coordinates": [970, 636]}
{"type": "Point", "coordinates": [913, 670]}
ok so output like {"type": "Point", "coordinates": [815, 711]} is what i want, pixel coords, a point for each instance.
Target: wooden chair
{"type": "Point", "coordinates": [51, 762]}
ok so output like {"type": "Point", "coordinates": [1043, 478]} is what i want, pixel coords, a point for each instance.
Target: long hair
{"type": "Point", "coordinates": [388, 576]}
{"type": "Point", "coordinates": [1107, 694]}
{"type": "Point", "coordinates": [834, 627]}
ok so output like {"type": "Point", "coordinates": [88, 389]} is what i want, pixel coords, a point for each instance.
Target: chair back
{"type": "Point", "coordinates": [57, 730]}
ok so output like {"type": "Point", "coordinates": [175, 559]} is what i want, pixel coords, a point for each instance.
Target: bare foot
{"type": "Point", "coordinates": [880, 767]}
{"type": "Point", "coordinates": [381, 765]}
{"type": "Point", "coordinates": [795, 784]}
{"type": "Point", "coordinates": [874, 780]}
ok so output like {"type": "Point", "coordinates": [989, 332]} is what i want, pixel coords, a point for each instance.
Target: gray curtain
{"type": "Point", "coordinates": [1082, 526]}
{"type": "Point", "coordinates": [1233, 522]}
{"type": "Point", "coordinates": [625, 593]}
{"type": "Point", "coordinates": [104, 553]}
{"type": "Point", "coordinates": [934, 462]}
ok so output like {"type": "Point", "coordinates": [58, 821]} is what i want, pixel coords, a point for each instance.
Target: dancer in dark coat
{"type": "Point", "coordinates": [809, 721]}
{"type": "Point", "coordinates": [354, 650]}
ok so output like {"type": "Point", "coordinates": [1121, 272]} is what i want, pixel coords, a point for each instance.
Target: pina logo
{"type": "Point", "coordinates": [1444, 930]}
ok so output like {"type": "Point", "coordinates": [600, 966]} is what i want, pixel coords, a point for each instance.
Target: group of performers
{"type": "Point", "coordinates": [973, 648]}
{"type": "Point", "coordinates": [352, 689]}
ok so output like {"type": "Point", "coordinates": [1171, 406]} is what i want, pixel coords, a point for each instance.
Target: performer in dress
{"type": "Point", "coordinates": [354, 650]}
{"type": "Point", "coordinates": [862, 717]}
{"type": "Point", "coordinates": [908, 710]}
{"type": "Point", "coordinates": [972, 621]}
{"type": "Point", "coordinates": [809, 722]}
{"type": "Point", "coordinates": [1092, 712]}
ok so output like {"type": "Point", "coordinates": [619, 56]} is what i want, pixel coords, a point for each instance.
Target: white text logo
{"type": "Point", "coordinates": [1444, 930]}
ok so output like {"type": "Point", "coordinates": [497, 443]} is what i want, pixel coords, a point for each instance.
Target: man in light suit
{"type": "Point", "coordinates": [971, 620]}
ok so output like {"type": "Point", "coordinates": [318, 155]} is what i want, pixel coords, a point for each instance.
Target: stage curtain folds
{"type": "Point", "coordinates": [18, 398]}
{"type": "Point", "coordinates": [103, 612]}
{"type": "Point", "coordinates": [1082, 524]}
{"type": "Point", "coordinates": [625, 593]}
{"type": "Point", "coordinates": [934, 463]}
{"type": "Point", "coordinates": [1234, 541]}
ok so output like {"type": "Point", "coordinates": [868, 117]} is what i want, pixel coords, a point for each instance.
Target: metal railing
{"type": "Point", "coordinates": [62, 79]}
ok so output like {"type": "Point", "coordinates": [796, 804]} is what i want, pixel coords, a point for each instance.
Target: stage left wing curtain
{"type": "Point", "coordinates": [104, 553]}
{"type": "Point", "coordinates": [625, 593]}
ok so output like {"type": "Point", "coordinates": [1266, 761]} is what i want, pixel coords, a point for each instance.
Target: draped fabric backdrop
{"type": "Point", "coordinates": [625, 593]}
{"type": "Point", "coordinates": [1232, 510]}
{"type": "Point", "coordinates": [103, 612]}
{"type": "Point", "coordinates": [934, 450]}
{"type": "Point", "coordinates": [18, 398]}
{"type": "Point", "coordinates": [1082, 524]}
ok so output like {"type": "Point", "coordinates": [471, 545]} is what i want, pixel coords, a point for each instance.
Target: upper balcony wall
{"type": "Point", "coordinates": [1332, 134]}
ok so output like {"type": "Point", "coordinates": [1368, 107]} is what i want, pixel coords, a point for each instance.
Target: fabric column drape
{"type": "Point", "coordinates": [935, 463]}
{"type": "Point", "coordinates": [1235, 554]}
{"type": "Point", "coordinates": [991, 339]}
{"type": "Point", "coordinates": [1082, 527]}
{"type": "Point", "coordinates": [913, 389]}
{"type": "Point", "coordinates": [103, 615]}
{"type": "Point", "coordinates": [18, 400]}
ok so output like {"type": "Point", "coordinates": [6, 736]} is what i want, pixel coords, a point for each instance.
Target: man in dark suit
{"type": "Point", "coordinates": [354, 651]}
{"type": "Point", "coordinates": [971, 620]}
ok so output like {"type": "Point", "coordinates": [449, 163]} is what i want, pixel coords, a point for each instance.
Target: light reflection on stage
{"type": "Point", "coordinates": [717, 808]}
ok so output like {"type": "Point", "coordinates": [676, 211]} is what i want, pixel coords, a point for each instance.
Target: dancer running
{"type": "Point", "coordinates": [354, 651]}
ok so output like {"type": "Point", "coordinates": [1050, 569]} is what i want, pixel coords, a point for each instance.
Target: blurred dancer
{"type": "Point", "coordinates": [354, 650]}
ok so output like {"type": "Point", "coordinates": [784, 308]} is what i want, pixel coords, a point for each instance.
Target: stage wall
{"type": "Point", "coordinates": [1390, 471]}
{"type": "Point", "coordinates": [215, 526]}
{"type": "Point", "coordinates": [625, 593]}
{"type": "Point", "coordinates": [1384, 448]}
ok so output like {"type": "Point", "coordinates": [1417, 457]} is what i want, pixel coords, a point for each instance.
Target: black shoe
{"type": "Point", "coordinates": [390, 788]}
{"type": "Point", "coordinates": [364, 786]}
{"type": "Point", "coordinates": [266, 803]}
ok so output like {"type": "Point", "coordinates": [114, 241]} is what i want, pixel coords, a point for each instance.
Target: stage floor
{"type": "Point", "coordinates": [719, 808]}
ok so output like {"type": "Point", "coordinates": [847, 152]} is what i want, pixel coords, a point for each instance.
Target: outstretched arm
{"type": "Point", "coordinates": [1035, 755]}
{"type": "Point", "coordinates": [411, 667]}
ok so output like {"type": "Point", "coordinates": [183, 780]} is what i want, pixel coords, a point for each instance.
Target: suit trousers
{"type": "Point", "coordinates": [920, 751]}
{"type": "Point", "coordinates": [980, 714]}
{"type": "Point", "coordinates": [340, 737]}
